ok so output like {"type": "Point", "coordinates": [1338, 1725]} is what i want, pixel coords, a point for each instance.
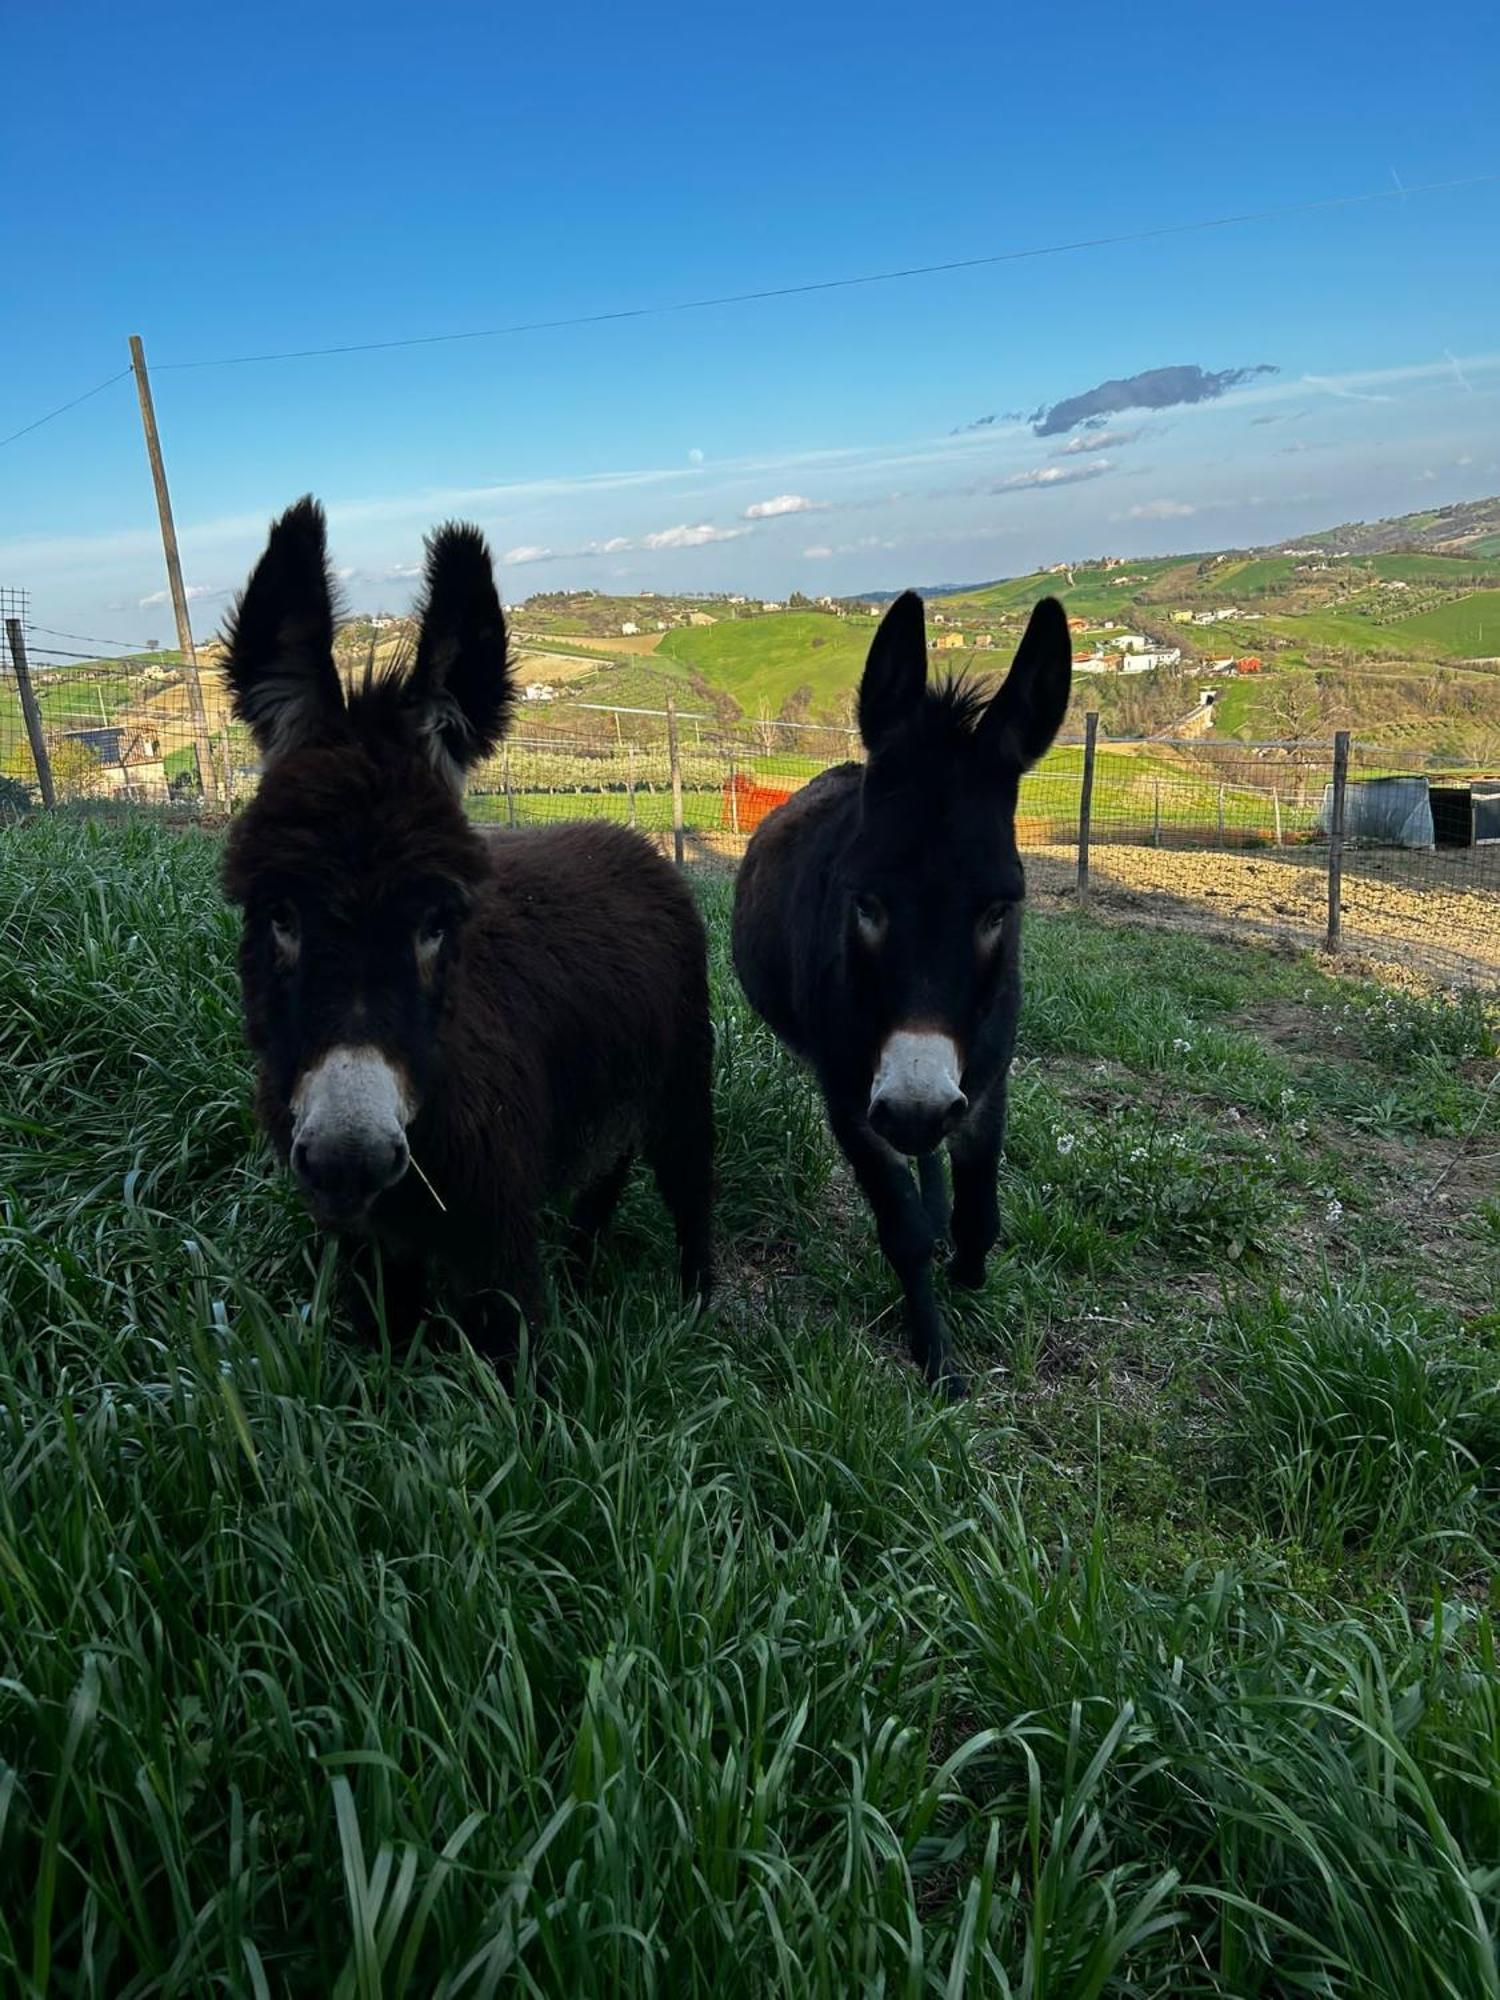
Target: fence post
{"type": "Point", "coordinates": [16, 638]}
{"type": "Point", "coordinates": [1276, 809]}
{"type": "Point", "coordinates": [228, 768]}
{"type": "Point", "coordinates": [1086, 801]}
{"type": "Point", "coordinates": [1221, 815]}
{"type": "Point", "coordinates": [1156, 815]}
{"type": "Point", "coordinates": [676, 764]}
{"type": "Point", "coordinates": [734, 796]}
{"type": "Point", "coordinates": [1336, 840]}
{"type": "Point", "coordinates": [630, 784]}
{"type": "Point", "coordinates": [510, 801]}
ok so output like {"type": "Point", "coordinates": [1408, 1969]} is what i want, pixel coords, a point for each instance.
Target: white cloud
{"type": "Point", "coordinates": [784, 503]}
{"type": "Point", "coordinates": [1053, 475]}
{"type": "Point", "coordinates": [1160, 510]}
{"type": "Point", "coordinates": [1332, 385]}
{"type": "Point", "coordinates": [1098, 441]}
{"type": "Point", "coordinates": [684, 536]}
{"type": "Point", "coordinates": [192, 593]}
{"type": "Point", "coordinates": [1467, 458]}
{"type": "Point", "coordinates": [528, 552]}
{"type": "Point", "coordinates": [695, 456]}
{"type": "Point", "coordinates": [818, 552]}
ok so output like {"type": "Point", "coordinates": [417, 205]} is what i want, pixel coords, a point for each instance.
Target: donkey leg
{"type": "Point", "coordinates": [384, 1292]}
{"type": "Point", "coordinates": [975, 1152]}
{"type": "Point", "coordinates": [681, 1155]}
{"type": "Point", "coordinates": [907, 1239]}
{"type": "Point", "coordinates": [493, 1313]}
{"type": "Point", "coordinates": [593, 1207]}
{"type": "Point", "coordinates": [933, 1182]}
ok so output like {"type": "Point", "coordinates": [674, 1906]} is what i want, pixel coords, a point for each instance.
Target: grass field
{"type": "Point", "coordinates": [761, 661]}
{"type": "Point", "coordinates": [1467, 628]}
{"type": "Point", "coordinates": [732, 1665]}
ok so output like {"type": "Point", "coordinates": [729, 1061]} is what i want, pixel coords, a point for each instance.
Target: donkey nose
{"type": "Point", "coordinates": [914, 1126]}
{"type": "Point", "coordinates": [343, 1173]}
{"type": "Point", "coordinates": [915, 1097]}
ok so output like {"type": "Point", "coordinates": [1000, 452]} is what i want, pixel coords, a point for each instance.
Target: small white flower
{"type": "Point", "coordinates": [1335, 1210]}
{"type": "Point", "coordinates": [1232, 1115]}
{"type": "Point", "coordinates": [1137, 1152]}
{"type": "Point", "coordinates": [1066, 1142]}
{"type": "Point", "coordinates": [1183, 1048]}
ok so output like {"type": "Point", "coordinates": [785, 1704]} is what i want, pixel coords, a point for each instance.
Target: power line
{"type": "Point", "coordinates": [63, 408]}
{"type": "Point", "coordinates": [839, 284]}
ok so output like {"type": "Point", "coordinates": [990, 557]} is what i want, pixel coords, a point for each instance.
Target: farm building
{"type": "Point", "coordinates": [947, 641]}
{"type": "Point", "coordinates": [1383, 812]}
{"type": "Point", "coordinates": [1466, 815]}
{"type": "Point", "coordinates": [629, 629]}
{"type": "Point", "coordinates": [129, 759]}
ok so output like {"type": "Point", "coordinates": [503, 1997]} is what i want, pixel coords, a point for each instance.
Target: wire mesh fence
{"type": "Point", "coordinates": [1236, 838]}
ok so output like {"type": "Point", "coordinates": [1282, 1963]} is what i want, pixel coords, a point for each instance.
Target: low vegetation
{"type": "Point", "coordinates": [729, 1663]}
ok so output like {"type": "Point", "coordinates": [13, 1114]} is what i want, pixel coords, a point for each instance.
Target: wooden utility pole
{"type": "Point", "coordinates": [196, 711]}
{"type": "Point", "coordinates": [16, 638]}
{"type": "Point", "coordinates": [1086, 801]}
{"type": "Point", "coordinates": [1336, 839]}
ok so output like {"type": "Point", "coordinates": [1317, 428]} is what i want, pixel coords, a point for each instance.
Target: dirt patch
{"type": "Point", "coordinates": [1423, 910]}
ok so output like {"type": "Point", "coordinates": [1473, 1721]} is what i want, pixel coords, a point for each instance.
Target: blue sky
{"type": "Point", "coordinates": [232, 182]}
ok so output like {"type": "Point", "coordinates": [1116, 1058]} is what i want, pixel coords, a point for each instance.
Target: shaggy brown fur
{"type": "Point", "coordinates": [541, 995]}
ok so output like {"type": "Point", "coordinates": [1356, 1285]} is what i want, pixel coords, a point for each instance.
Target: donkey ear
{"type": "Point", "coordinates": [1021, 721]}
{"type": "Point", "coordinates": [460, 691]}
{"type": "Point", "coordinates": [279, 636]}
{"type": "Point", "coordinates": [895, 676]}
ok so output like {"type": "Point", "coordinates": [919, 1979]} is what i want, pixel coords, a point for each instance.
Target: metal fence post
{"type": "Point", "coordinates": [16, 638]}
{"type": "Point", "coordinates": [1221, 815]}
{"type": "Point", "coordinates": [734, 796]}
{"type": "Point", "coordinates": [1276, 809]}
{"type": "Point", "coordinates": [676, 764]}
{"type": "Point", "coordinates": [1336, 840]}
{"type": "Point", "coordinates": [510, 798]}
{"type": "Point", "coordinates": [629, 783]}
{"type": "Point", "coordinates": [1086, 801]}
{"type": "Point", "coordinates": [1156, 815]}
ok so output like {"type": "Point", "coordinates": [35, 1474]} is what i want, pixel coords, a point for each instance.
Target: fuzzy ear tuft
{"type": "Point", "coordinates": [461, 690]}
{"type": "Point", "coordinates": [279, 636]}
{"type": "Point", "coordinates": [895, 676]}
{"type": "Point", "coordinates": [1020, 722]}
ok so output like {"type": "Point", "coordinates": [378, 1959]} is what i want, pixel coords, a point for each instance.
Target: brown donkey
{"type": "Point", "coordinates": [449, 1029]}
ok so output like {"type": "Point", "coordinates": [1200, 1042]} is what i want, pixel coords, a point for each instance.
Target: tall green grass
{"type": "Point", "coordinates": [731, 1664]}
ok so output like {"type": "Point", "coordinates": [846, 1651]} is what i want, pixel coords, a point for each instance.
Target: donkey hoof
{"type": "Point", "coordinates": [966, 1272]}
{"type": "Point", "coordinates": [949, 1382]}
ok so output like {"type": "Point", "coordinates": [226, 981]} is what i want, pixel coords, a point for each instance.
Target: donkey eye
{"type": "Point", "coordinates": [869, 915]}
{"type": "Point", "coordinates": [286, 932]}
{"type": "Point", "coordinates": [431, 932]}
{"type": "Point", "coordinates": [992, 922]}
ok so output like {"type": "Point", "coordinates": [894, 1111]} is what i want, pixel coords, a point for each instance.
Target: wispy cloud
{"type": "Point", "coordinates": [784, 503]}
{"type": "Point", "coordinates": [1043, 477]}
{"type": "Point", "coordinates": [686, 536]}
{"type": "Point", "coordinates": [193, 592]}
{"type": "Point", "coordinates": [1152, 389]}
{"type": "Point", "coordinates": [817, 552]}
{"type": "Point", "coordinates": [1160, 510]}
{"type": "Point", "coordinates": [1332, 385]}
{"type": "Point", "coordinates": [1099, 441]}
{"type": "Point", "coordinates": [528, 552]}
